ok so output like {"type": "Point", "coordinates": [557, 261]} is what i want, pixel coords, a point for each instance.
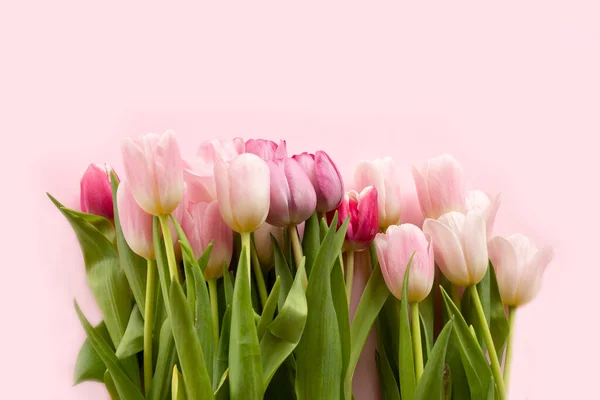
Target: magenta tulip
{"type": "Point", "coordinates": [478, 200]}
{"type": "Point", "coordinates": [293, 198]}
{"type": "Point", "coordinates": [96, 191]}
{"type": "Point", "coordinates": [440, 186]}
{"type": "Point", "coordinates": [202, 224]}
{"type": "Point", "coordinates": [242, 187]}
{"type": "Point", "coordinates": [364, 218]}
{"type": "Point", "coordinates": [460, 246]}
{"type": "Point", "coordinates": [325, 178]}
{"type": "Point", "coordinates": [394, 250]}
{"type": "Point", "coordinates": [381, 173]}
{"type": "Point", "coordinates": [154, 170]}
{"type": "Point", "coordinates": [135, 222]}
{"type": "Point", "coordinates": [519, 267]}
{"type": "Point", "coordinates": [264, 244]}
{"type": "Point", "coordinates": [266, 149]}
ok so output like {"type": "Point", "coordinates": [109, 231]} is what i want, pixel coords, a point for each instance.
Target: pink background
{"type": "Point", "coordinates": [510, 89]}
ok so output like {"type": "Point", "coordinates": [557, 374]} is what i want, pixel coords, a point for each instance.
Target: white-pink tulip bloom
{"type": "Point", "coordinates": [154, 169]}
{"type": "Point", "coordinates": [440, 186]}
{"type": "Point", "coordinates": [135, 223]}
{"type": "Point", "coordinates": [519, 267]}
{"type": "Point", "coordinates": [243, 191]}
{"type": "Point", "coordinates": [460, 246]}
{"type": "Point", "coordinates": [478, 200]}
{"type": "Point", "coordinates": [381, 173]}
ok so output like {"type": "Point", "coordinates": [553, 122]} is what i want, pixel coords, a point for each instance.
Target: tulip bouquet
{"type": "Point", "coordinates": [232, 276]}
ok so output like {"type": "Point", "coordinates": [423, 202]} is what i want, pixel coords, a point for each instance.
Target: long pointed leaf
{"type": "Point", "coordinates": [406, 364]}
{"type": "Point", "coordinates": [89, 365]}
{"type": "Point", "coordinates": [431, 384]}
{"type": "Point", "coordinates": [133, 340]}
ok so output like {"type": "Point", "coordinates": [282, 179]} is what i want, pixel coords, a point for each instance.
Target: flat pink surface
{"type": "Point", "coordinates": [512, 89]}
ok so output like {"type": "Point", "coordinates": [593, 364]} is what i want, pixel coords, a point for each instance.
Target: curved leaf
{"type": "Point", "coordinates": [431, 385]}
{"type": "Point", "coordinates": [89, 365]}
{"type": "Point", "coordinates": [133, 340]}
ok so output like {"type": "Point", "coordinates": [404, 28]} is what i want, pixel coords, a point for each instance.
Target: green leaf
{"type": "Point", "coordinates": [282, 270]}
{"type": "Point", "coordinates": [161, 381]}
{"type": "Point", "coordinates": [475, 364]}
{"type": "Point", "coordinates": [340, 303]}
{"type": "Point", "coordinates": [161, 264]}
{"type": "Point", "coordinates": [431, 383]}
{"type": "Point", "coordinates": [133, 340]}
{"type": "Point", "coordinates": [126, 388]}
{"type": "Point", "coordinates": [110, 386]}
{"type": "Point", "coordinates": [387, 382]}
{"type": "Point", "coordinates": [269, 310]}
{"type": "Point", "coordinates": [89, 365]}
{"type": "Point", "coordinates": [177, 385]}
{"type": "Point", "coordinates": [282, 384]}
{"type": "Point", "coordinates": [406, 364]}
{"type": "Point", "coordinates": [105, 226]}
{"type": "Point", "coordinates": [245, 370]}
{"type": "Point", "coordinates": [222, 391]}
{"type": "Point", "coordinates": [134, 266]}
{"type": "Point", "coordinates": [311, 241]}
{"type": "Point", "coordinates": [319, 353]}
{"type": "Point", "coordinates": [283, 334]}
{"type": "Point", "coordinates": [426, 315]}
{"type": "Point", "coordinates": [227, 285]}
{"type": "Point", "coordinates": [189, 349]}
{"type": "Point", "coordinates": [373, 298]}
{"type": "Point", "coordinates": [222, 356]}
{"type": "Point", "coordinates": [499, 326]}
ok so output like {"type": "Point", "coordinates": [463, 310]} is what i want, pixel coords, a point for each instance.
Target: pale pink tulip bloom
{"type": "Point", "coordinates": [96, 191]}
{"type": "Point", "coordinates": [519, 267]}
{"type": "Point", "coordinates": [135, 223]}
{"type": "Point", "coordinates": [243, 191]}
{"type": "Point", "coordinates": [264, 244]}
{"type": "Point", "coordinates": [325, 178]}
{"type": "Point", "coordinates": [394, 250]}
{"type": "Point", "coordinates": [460, 246]}
{"type": "Point", "coordinates": [440, 186]}
{"type": "Point", "coordinates": [382, 174]}
{"type": "Point", "coordinates": [266, 149]}
{"type": "Point", "coordinates": [154, 170]}
{"type": "Point", "coordinates": [479, 200]}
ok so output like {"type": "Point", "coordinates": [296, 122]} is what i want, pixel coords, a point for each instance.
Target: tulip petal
{"type": "Point", "coordinates": [168, 172]}
{"type": "Point", "coordinates": [136, 224]}
{"type": "Point", "coordinates": [422, 192]}
{"type": "Point", "coordinates": [367, 216]}
{"type": "Point", "coordinates": [531, 276]}
{"type": "Point", "coordinates": [474, 239]}
{"type": "Point", "coordinates": [139, 174]}
{"type": "Point", "coordinates": [223, 195]}
{"type": "Point", "coordinates": [280, 197]}
{"type": "Point", "coordinates": [446, 185]}
{"type": "Point", "coordinates": [303, 199]}
{"type": "Point", "coordinates": [392, 195]}
{"type": "Point", "coordinates": [448, 252]}
{"type": "Point", "coordinates": [504, 260]}
{"type": "Point", "coordinates": [328, 183]}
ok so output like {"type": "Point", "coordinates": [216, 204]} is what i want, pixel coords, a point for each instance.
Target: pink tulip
{"type": "Point", "coordinates": [199, 173]}
{"type": "Point", "coordinates": [325, 178]}
{"type": "Point", "coordinates": [440, 186]}
{"type": "Point", "coordinates": [394, 250]}
{"type": "Point", "coordinates": [154, 170]}
{"type": "Point", "coordinates": [478, 200]}
{"type": "Point", "coordinates": [135, 223]}
{"type": "Point", "coordinates": [293, 198]}
{"type": "Point", "coordinates": [381, 173]}
{"type": "Point", "coordinates": [96, 191]}
{"type": "Point", "coordinates": [362, 210]}
{"type": "Point", "coordinates": [264, 244]}
{"type": "Point", "coordinates": [243, 191]}
{"type": "Point", "coordinates": [202, 223]}
{"type": "Point", "coordinates": [266, 149]}
{"type": "Point", "coordinates": [460, 246]}
{"type": "Point", "coordinates": [519, 267]}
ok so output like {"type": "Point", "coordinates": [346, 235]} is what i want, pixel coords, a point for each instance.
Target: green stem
{"type": "Point", "coordinates": [148, 324]}
{"type": "Point", "coordinates": [455, 292]}
{"type": "Point", "coordinates": [214, 309]}
{"type": "Point", "coordinates": [246, 245]}
{"type": "Point", "coordinates": [166, 230]}
{"type": "Point", "coordinates": [260, 279]}
{"type": "Point", "coordinates": [497, 372]}
{"type": "Point", "coordinates": [296, 246]}
{"type": "Point", "coordinates": [507, 361]}
{"type": "Point", "coordinates": [416, 338]}
{"type": "Point", "coordinates": [349, 273]}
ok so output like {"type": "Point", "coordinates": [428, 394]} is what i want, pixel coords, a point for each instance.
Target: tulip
{"type": "Point", "coordinates": [199, 173]}
{"type": "Point", "coordinates": [154, 170]}
{"type": "Point", "coordinates": [394, 248]}
{"type": "Point", "coordinates": [440, 186]}
{"type": "Point", "coordinates": [96, 191]}
{"type": "Point", "coordinates": [293, 198]}
{"type": "Point", "coordinates": [519, 267]}
{"type": "Point", "coordinates": [362, 210]}
{"type": "Point", "coordinates": [381, 173]}
{"type": "Point", "coordinates": [242, 187]}
{"type": "Point", "coordinates": [478, 200]}
{"type": "Point", "coordinates": [459, 245]}
{"type": "Point", "coordinates": [264, 244]}
{"type": "Point", "coordinates": [266, 149]}
{"type": "Point", "coordinates": [202, 223]}
{"type": "Point", "coordinates": [135, 222]}
{"type": "Point", "coordinates": [325, 178]}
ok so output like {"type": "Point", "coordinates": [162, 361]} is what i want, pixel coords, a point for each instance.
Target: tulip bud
{"type": "Point", "coordinates": [381, 173]}
{"type": "Point", "coordinates": [395, 247]}
{"type": "Point", "coordinates": [266, 149]}
{"type": "Point", "coordinates": [154, 170]}
{"type": "Point", "coordinates": [96, 191]}
{"type": "Point", "coordinates": [202, 223]}
{"type": "Point", "coordinates": [135, 223]}
{"type": "Point", "coordinates": [478, 200]}
{"type": "Point", "coordinates": [264, 244]}
{"type": "Point", "coordinates": [460, 246]}
{"type": "Point", "coordinates": [199, 173]}
{"type": "Point", "coordinates": [243, 191]}
{"type": "Point", "coordinates": [440, 186]}
{"type": "Point", "coordinates": [362, 210]}
{"type": "Point", "coordinates": [325, 178]}
{"type": "Point", "coordinates": [519, 267]}
{"type": "Point", "coordinates": [293, 198]}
